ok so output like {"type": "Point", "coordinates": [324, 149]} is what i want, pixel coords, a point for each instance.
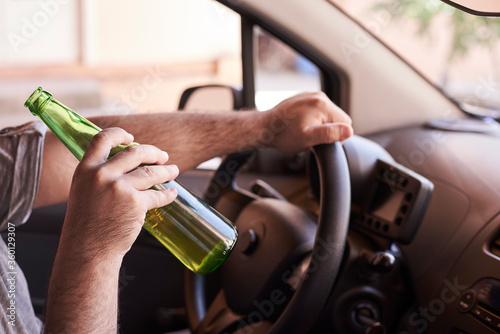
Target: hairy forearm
{"type": "Point", "coordinates": [191, 138]}
{"type": "Point", "coordinates": [83, 293]}
{"type": "Point", "coordinates": [188, 138]}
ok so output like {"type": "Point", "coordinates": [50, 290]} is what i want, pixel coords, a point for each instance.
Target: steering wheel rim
{"type": "Point", "coordinates": [327, 254]}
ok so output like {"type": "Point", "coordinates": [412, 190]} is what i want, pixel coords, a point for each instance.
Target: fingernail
{"type": "Point", "coordinates": [174, 168]}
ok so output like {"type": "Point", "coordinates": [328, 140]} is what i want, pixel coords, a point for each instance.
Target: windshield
{"type": "Point", "coordinates": [456, 51]}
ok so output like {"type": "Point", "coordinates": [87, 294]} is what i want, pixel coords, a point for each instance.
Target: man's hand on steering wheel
{"type": "Point", "coordinates": [306, 120]}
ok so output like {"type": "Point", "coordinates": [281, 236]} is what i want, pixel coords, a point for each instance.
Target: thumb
{"type": "Point", "coordinates": [329, 133]}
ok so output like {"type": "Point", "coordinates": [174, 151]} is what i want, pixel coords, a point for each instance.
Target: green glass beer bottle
{"type": "Point", "coordinates": [200, 237]}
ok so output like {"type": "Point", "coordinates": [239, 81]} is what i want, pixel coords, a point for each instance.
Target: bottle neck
{"type": "Point", "coordinates": [73, 130]}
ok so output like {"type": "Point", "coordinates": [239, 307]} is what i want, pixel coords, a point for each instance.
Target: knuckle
{"type": "Point", "coordinates": [317, 99]}
{"type": "Point", "coordinates": [119, 189]}
{"type": "Point", "coordinates": [100, 175]}
{"type": "Point", "coordinates": [324, 136]}
{"type": "Point", "coordinates": [163, 198]}
{"type": "Point", "coordinates": [330, 134]}
{"type": "Point", "coordinates": [101, 136]}
{"type": "Point", "coordinates": [148, 171]}
{"type": "Point", "coordinates": [116, 188]}
{"type": "Point", "coordinates": [170, 196]}
{"type": "Point", "coordinates": [158, 199]}
{"type": "Point", "coordinates": [320, 95]}
{"type": "Point", "coordinates": [132, 149]}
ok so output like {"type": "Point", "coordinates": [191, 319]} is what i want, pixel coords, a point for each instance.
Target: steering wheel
{"type": "Point", "coordinates": [319, 272]}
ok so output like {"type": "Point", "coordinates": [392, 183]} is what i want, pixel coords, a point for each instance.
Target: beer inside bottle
{"type": "Point", "coordinates": [200, 237]}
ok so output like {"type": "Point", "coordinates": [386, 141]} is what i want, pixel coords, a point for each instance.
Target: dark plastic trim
{"type": "Point", "coordinates": [470, 10]}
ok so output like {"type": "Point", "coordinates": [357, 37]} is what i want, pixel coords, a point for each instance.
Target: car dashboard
{"type": "Point", "coordinates": [425, 232]}
{"type": "Point", "coordinates": [453, 261]}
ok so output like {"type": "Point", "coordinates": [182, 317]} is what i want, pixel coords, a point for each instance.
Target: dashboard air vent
{"type": "Point", "coordinates": [495, 245]}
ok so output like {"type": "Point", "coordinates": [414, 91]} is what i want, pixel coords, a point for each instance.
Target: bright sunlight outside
{"type": "Point", "coordinates": [456, 51]}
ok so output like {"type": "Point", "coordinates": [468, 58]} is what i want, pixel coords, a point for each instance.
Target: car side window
{"type": "Point", "coordinates": [280, 71]}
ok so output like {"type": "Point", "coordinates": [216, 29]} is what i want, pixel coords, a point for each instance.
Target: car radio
{"type": "Point", "coordinates": [396, 202]}
{"type": "Point", "coordinates": [483, 302]}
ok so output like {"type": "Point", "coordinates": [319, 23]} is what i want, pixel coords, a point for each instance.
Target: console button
{"type": "Point", "coordinates": [486, 317]}
{"type": "Point", "coordinates": [496, 323]}
{"type": "Point", "coordinates": [403, 182]}
{"type": "Point", "coordinates": [467, 300]}
{"type": "Point", "coordinates": [477, 312]}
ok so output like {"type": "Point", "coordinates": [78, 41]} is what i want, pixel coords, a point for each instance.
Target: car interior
{"type": "Point", "coordinates": [395, 230]}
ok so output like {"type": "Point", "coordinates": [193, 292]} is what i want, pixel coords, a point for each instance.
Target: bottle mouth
{"type": "Point", "coordinates": [33, 97]}
{"type": "Point", "coordinates": [33, 103]}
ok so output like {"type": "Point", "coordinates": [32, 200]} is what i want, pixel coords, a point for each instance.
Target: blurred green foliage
{"type": "Point", "coordinates": [468, 31]}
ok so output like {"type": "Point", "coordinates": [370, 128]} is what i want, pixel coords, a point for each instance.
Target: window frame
{"type": "Point", "coordinates": [334, 82]}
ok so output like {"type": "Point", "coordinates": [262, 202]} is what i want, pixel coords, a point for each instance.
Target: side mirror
{"type": "Point", "coordinates": [211, 98]}
{"type": "Point", "coordinates": [214, 98]}
{"type": "Point", "coordinates": [477, 7]}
